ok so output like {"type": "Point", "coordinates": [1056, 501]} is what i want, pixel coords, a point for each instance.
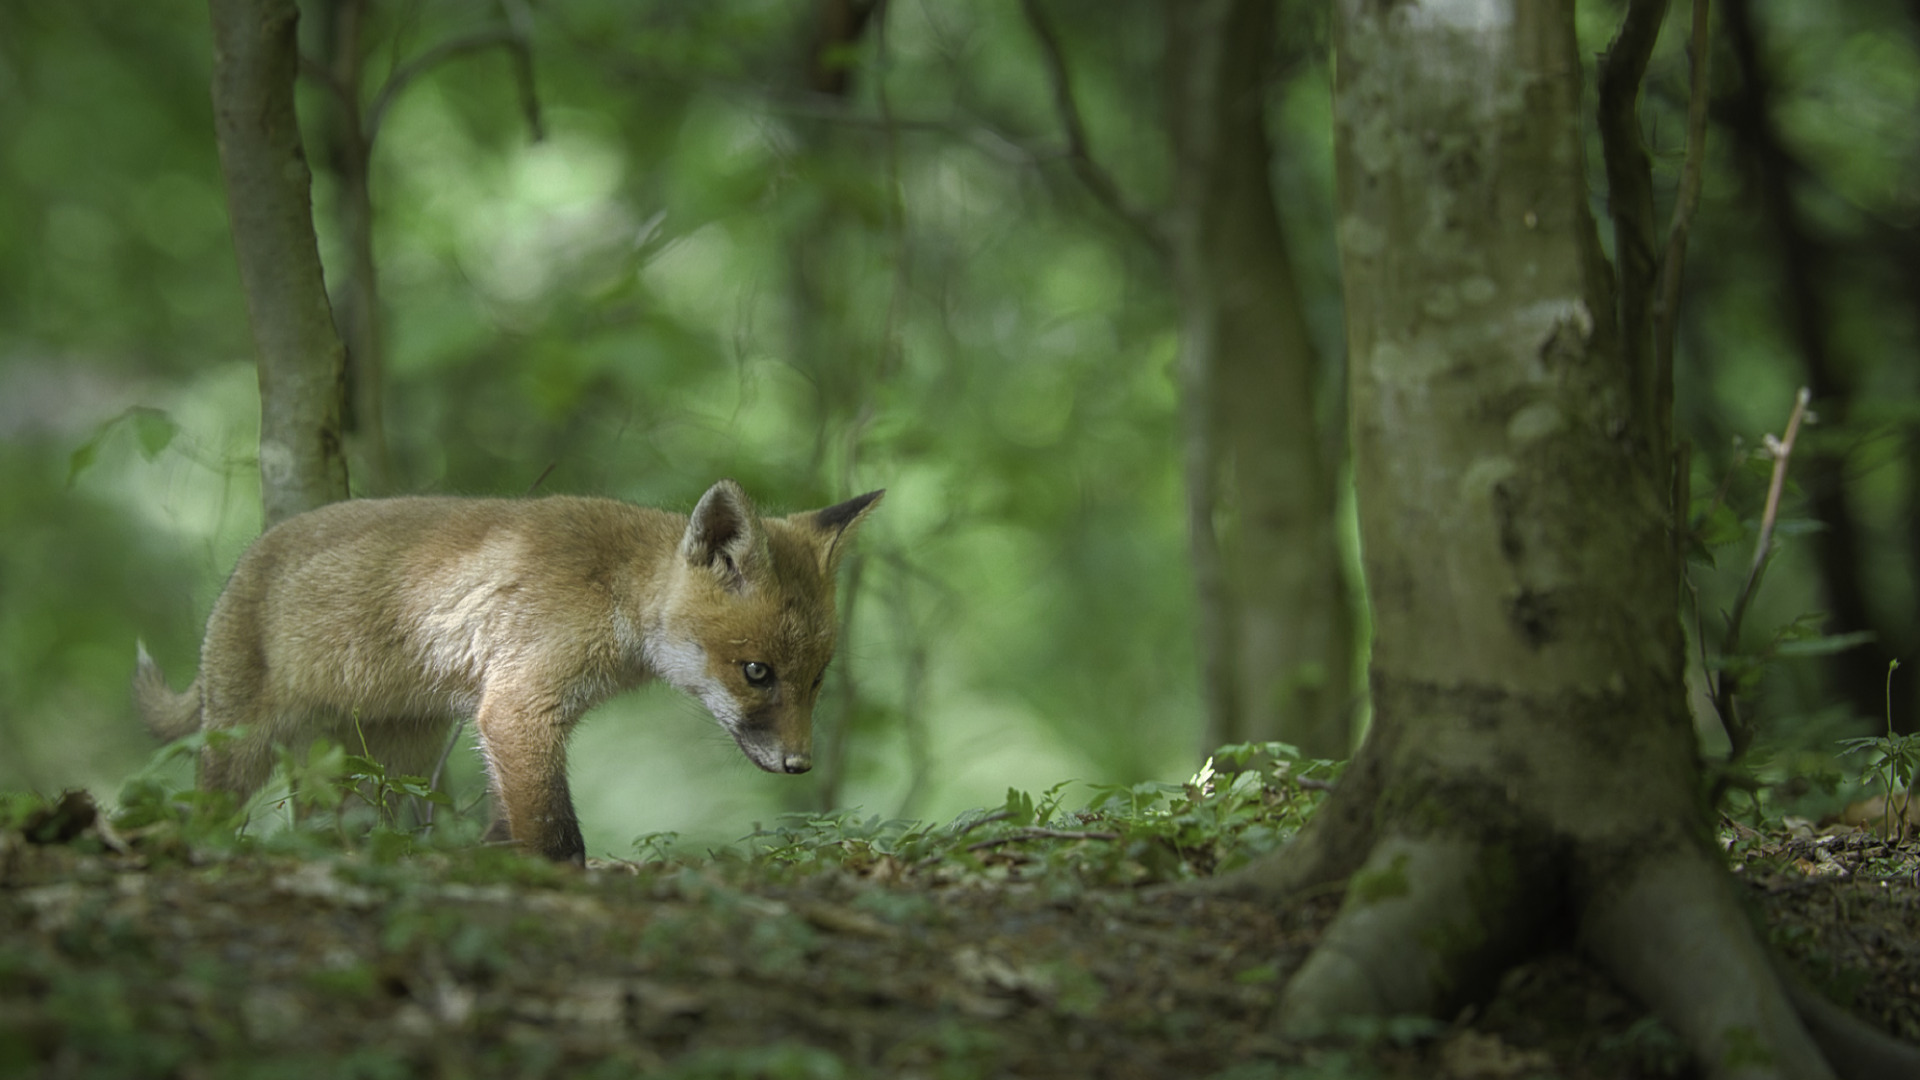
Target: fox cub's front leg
{"type": "Point", "coordinates": [524, 740]}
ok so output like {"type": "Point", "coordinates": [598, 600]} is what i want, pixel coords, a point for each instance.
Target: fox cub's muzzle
{"type": "Point", "coordinates": [767, 749]}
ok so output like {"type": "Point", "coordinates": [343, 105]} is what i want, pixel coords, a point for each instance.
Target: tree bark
{"type": "Point", "coordinates": [1276, 625]}
{"type": "Point", "coordinates": [843, 373]}
{"type": "Point", "coordinates": [356, 301]}
{"type": "Point", "coordinates": [269, 204]}
{"type": "Point", "coordinates": [1531, 775]}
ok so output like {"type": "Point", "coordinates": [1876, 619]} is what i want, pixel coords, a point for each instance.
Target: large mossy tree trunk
{"type": "Point", "coordinates": [269, 203]}
{"type": "Point", "coordinates": [1531, 775]}
{"type": "Point", "coordinates": [1275, 608]}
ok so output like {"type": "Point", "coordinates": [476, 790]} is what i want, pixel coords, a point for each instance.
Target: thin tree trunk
{"type": "Point", "coordinates": [1531, 773]}
{"type": "Point", "coordinates": [816, 292]}
{"type": "Point", "coordinates": [1276, 630]}
{"type": "Point", "coordinates": [269, 204]}
{"type": "Point", "coordinates": [356, 300]}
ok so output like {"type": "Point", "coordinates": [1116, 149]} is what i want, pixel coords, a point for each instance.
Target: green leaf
{"type": "Point", "coordinates": [1823, 646]}
{"type": "Point", "coordinates": [1720, 527]}
{"type": "Point", "coordinates": [82, 458]}
{"type": "Point", "coordinates": [1019, 807]}
{"type": "Point", "coordinates": [153, 428]}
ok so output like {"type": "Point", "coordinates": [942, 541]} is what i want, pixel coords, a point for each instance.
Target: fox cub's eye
{"type": "Point", "coordinates": [757, 673]}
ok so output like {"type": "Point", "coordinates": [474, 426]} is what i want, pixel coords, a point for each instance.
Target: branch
{"type": "Point", "coordinates": [520, 21]}
{"type": "Point", "coordinates": [320, 74]}
{"type": "Point", "coordinates": [509, 37]}
{"type": "Point", "coordinates": [1097, 180]}
{"type": "Point", "coordinates": [1781, 449]}
{"type": "Point", "coordinates": [1724, 696]}
{"type": "Point", "coordinates": [1666, 310]}
{"type": "Point", "coordinates": [1041, 834]}
{"type": "Point", "coordinates": [1630, 197]}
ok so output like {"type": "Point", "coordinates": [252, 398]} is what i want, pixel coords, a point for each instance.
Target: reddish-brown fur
{"type": "Point", "coordinates": [523, 614]}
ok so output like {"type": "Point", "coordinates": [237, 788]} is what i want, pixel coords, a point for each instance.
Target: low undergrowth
{"type": "Point", "coordinates": [321, 935]}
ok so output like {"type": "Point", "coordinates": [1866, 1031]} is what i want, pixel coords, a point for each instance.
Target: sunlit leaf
{"type": "Point", "coordinates": [153, 428]}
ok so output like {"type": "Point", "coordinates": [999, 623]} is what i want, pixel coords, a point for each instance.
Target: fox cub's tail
{"type": "Point", "coordinates": [166, 714]}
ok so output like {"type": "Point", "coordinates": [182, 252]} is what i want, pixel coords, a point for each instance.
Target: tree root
{"type": "Point", "coordinates": [1429, 924]}
{"type": "Point", "coordinates": [1676, 938]}
{"type": "Point", "coordinates": [1856, 1049]}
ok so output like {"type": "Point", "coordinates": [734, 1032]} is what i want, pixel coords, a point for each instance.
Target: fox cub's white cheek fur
{"type": "Point", "coordinates": [683, 665]}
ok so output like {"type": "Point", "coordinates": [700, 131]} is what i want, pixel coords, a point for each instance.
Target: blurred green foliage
{"type": "Point", "coordinates": [706, 269]}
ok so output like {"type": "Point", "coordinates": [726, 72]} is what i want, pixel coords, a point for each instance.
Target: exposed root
{"type": "Point", "coordinates": [1674, 935]}
{"type": "Point", "coordinates": [1856, 1049]}
{"type": "Point", "coordinates": [1428, 925]}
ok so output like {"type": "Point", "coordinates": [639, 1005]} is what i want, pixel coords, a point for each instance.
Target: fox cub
{"type": "Point", "coordinates": [402, 614]}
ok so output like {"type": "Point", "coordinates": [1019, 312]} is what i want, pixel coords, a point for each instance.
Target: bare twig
{"type": "Point", "coordinates": [423, 808]}
{"type": "Point", "coordinates": [520, 20]}
{"type": "Point", "coordinates": [890, 344]}
{"type": "Point", "coordinates": [1041, 834]}
{"type": "Point", "coordinates": [440, 767]}
{"type": "Point", "coordinates": [507, 37]}
{"type": "Point", "coordinates": [1725, 696]}
{"type": "Point", "coordinates": [984, 819]}
{"type": "Point", "coordinates": [1098, 181]}
{"type": "Point", "coordinates": [1780, 450]}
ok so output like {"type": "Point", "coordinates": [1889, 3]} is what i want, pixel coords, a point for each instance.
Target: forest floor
{"type": "Point", "coordinates": [131, 952]}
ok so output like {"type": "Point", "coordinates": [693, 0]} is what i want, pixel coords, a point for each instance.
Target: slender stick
{"type": "Point", "coordinates": [1724, 696]}
{"type": "Point", "coordinates": [1041, 834]}
{"type": "Point", "coordinates": [1782, 450]}
{"type": "Point", "coordinates": [506, 37]}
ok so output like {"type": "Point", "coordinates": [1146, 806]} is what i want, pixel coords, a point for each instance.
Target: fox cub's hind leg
{"type": "Point", "coordinates": [240, 753]}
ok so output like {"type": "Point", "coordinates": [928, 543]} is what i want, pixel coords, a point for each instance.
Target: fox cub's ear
{"type": "Point", "coordinates": [725, 535]}
{"type": "Point", "coordinates": [833, 527]}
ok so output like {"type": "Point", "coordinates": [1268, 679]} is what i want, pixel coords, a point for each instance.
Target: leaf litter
{"type": "Point", "coordinates": [1057, 951]}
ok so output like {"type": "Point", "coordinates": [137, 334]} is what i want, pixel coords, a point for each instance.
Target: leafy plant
{"type": "Point", "coordinates": [327, 793]}
{"type": "Point", "coordinates": [1892, 760]}
{"type": "Point", "coordinates": [1247, 799]}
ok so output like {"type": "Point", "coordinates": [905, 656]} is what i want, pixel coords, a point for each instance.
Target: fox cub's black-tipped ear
{"type": "Point", "coordinates": [724, 534]}
{"type": "Point", "coordinates": [835, 524]}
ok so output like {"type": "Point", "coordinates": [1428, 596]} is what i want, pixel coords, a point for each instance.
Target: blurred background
{"type": "Point", "coordinates": [958, 251]}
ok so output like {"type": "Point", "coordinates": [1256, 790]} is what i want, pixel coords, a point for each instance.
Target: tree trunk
{"type": "Point", "coordinates": [842, 373]}
{"type": "Point", "coordinates": [356, 301]}
{"type": "Point", "coordinates": [1531, 774]}
{"type": "Point", "coordinates": [1276, 629]}
{"type": "Point", "coordinates": [269, 204]}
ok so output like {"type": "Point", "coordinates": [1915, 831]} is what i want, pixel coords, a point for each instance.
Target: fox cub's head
{"type": "Point", "coordinates": [749, 625]}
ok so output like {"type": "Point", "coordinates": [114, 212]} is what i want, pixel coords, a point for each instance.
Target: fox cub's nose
{"type": "Point", "coordinates": [797, 763]}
